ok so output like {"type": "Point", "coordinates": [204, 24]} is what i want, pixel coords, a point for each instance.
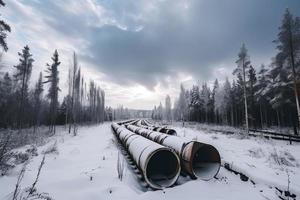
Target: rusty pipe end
{"type": "Point", "coordinates": [201, 160]}
{"type": "Point", "coordinates": [162, 168]}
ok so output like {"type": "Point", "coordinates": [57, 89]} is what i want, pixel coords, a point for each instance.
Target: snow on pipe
{"type": "Point", "coordinates": [126, 121]}
{"type": "Point", "coordinates": [160, 129]}
{"type": "Point", "coordinates": [199, 160]}
{"type": "Point", "coordinates": [159, 165]}
{"type": "Point", "coordinates": [156, 128]}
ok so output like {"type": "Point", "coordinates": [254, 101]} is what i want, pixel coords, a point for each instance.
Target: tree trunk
{"type": "Point", "coordinates": [245, 98]}
{"type": "Point", "coordinates": [261, 116]}
{"type": "Point", "coordinates": [278, 119]}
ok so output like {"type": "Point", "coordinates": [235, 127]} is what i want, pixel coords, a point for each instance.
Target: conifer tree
{"type": "Point", "coordinates": [22, 76]}
{"type": "Point", "coordinates": [53, 79]}
{"type": "Point", "coordinates": [38, 91]}
{"type": "Point", "coordinates": [243, 63]}
{"type": "Point", "coordinates": [288, 45]}
{"type": "Point", "coordinates": [4, 28]}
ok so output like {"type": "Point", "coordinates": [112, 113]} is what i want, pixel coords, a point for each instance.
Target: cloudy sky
{"type": "Point", "coordinates": [140, 50]}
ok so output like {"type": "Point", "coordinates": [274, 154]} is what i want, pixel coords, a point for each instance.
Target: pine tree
{"type": "Point", "coordinates": [262, 85]}
{"type": "Point", "coordinates": [252, 89]}
{"type": "Point", "coordinates": [213, 96]}
{"type": "Point", "coordinates": [168, 114]}
{"type": "Point", "coordinates": [288, 45]}
{"type": "Point", "coordinates": [205, 97]}
{"type": "Point", "coordinates": [38, 91]}
{"type": "Point", "coordinates": [22, 76]}
{"type": "Point", "coordinates": [195, 104]}
{"type": "Point", "coordinates": [182, 104]}
{"type": "Point", "coordinates": [5, 100]}
{"type": "Point", "coordinates": [243, 63]}
{"type": "Point", "coordinates": [4, 28]}
{"type": "Point", "coordinates": [53, 79]}
{"type": "Point", "coordinates": [227, 109]}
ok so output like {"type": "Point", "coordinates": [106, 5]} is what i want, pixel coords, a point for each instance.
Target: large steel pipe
{"type": "Point", "coordinates": [156, 128]}
{"type": "Point", "coordinates": [199, 160]}
{"type": "Point", "coordinates": [159, 165]}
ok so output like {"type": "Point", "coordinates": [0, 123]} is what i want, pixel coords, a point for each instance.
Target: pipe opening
{"type": "Point", "coordinates": [206, 162]}
{"type": "Point", "coordinates": [163, 169]}
{"type": "Point", "coordinates": [171, 132]}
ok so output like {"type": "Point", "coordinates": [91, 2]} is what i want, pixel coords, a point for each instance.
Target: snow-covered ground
{"type": "Point", "coordinates": [85, 167]}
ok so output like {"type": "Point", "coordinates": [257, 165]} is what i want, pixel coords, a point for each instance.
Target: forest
{"type": "Point", "coordinates": [258, 96]}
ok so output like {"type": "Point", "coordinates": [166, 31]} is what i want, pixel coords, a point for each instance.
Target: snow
{"type": "Point", "coordinates": [85, 167]}
{"type": "Point", "coordinates": [257, 158]}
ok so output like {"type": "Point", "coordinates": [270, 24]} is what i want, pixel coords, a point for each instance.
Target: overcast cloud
{"type": "Point", "coordinates": [141, 50]}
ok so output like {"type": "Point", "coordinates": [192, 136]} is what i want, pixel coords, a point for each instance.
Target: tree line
{"type": "Point", "coordinates": [23, 107]}
{"type": "Point", "coordinates": [258, 96]}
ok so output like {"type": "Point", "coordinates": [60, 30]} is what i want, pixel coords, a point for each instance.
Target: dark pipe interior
{"type": "Point", "coordinates": [163, 168]}
{"type": "Point", "coordinates": [171, 132]}
{"type": "Point", "coordinates": [206, 162]}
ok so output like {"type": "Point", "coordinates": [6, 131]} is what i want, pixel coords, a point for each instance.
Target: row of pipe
{"type": "Point", "coordinates": [159, 165]}
{"type": "Point", "coordinates": [144, 124]}
{"type": "Point", "coordinates": [198, 159]}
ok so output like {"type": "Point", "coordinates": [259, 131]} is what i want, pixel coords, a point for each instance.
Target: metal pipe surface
{"type": "Point", "coordinates": [160, 166]}
{"type": "Point", "coordinates": [198, 159]}
{"type": "Point", "coordinates": [165, 130]}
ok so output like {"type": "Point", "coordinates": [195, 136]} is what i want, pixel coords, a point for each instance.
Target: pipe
{"type": "Point", "coordinates": [126, 121]}
{"type": "Point", "coordinates": [198, 159]}
{"type": "Point", "coordinates": [159, 165]}
{"type": "Point", "coordinates": [156, 128]}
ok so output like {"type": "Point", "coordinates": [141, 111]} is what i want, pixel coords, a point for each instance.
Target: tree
{"type": "Point", "coordinates": [4, 28]}
{"type": "Point", "coordinates": [182, 104]}
{"type": "Point", "coordinates": [53, 79]}
{"type": "Point", "coordinates": [260, 95]}
{"type": "Point", "coordinates": [288, 45]}
{"type": "Point", "coordinates": [72, 108]}
{"type": "Point", "coordinates": [195, 103]}
{"type": "Point", "coordinates": [22, 76]}
{"type": "Point", "coordinates": [251, 85]}
{"type": "Point", "coordinates": [38, 91]}
{"type": "Point", "coordinates": [243, 63]}
{"type": "Point", "coordinates": [213, 98]}
{"type": "Point", "coordinates": [205, 98]}
{"type": "Point", "coordinates": [227, 101]}
{"type": "Point", "coordinates": [160, 111]}
{"type": "Point", "coordinates": [168, 114]}
{"type": "Point", "coordinates": [5, 100]}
